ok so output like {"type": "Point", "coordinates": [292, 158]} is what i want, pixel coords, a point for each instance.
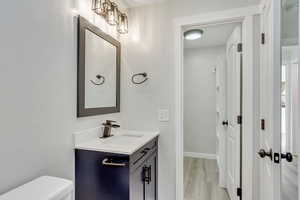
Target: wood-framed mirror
{"type": "Point", "coordinates": [99, 60]}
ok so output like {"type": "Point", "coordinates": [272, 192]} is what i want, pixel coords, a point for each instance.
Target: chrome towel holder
{"type": "Point", "coordinates": [144, 75]}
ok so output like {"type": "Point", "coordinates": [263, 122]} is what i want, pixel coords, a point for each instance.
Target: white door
{"type": "Point", "coordinates": [277, 95]}
{"type": "Point", "coordinates": [233, 111]}
{"type": "Point", "coordinates": [267, 101]}
{"type": "Point", "coordinates": [270, 82]}
{"type": "Point", "coordinates": [221, 119]}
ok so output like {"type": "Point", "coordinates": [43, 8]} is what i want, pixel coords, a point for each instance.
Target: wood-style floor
{"type": "Point", "coordinates": [289, 180]}
{"type": "Point", "coordinates": [201, 180]}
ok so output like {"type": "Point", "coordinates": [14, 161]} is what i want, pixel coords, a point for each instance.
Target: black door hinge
{"type": "Point", "coordinates": [263, 124]}
{"type": "Point", "coordinates": [239, 192]}
{"type": "Point", "coordinates": [240, 47]}
{"type": "Point", "coordinates": [239, 119]}
{"type": "Point", "coordinates": [263, 38]}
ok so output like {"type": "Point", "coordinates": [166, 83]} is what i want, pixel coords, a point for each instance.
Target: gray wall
{"type": "Point", "coordinates": [38, 89]}
{"type": "Point", "coordinates": [200, 99]}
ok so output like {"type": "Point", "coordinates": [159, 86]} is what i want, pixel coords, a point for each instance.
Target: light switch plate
{"type": "Point", "coordinates": [163, 115]}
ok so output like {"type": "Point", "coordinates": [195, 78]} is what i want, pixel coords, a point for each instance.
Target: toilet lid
{"type": "Point", "coordinates": [43, 188]}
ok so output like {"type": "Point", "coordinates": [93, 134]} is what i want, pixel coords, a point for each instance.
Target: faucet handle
{"type": "Point", "coordinates": [108, 123]}
{"type": "Point", "coordinates": [115, 126]}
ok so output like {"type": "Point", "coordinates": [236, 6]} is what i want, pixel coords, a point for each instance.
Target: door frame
{"type": "Point", "coordinates": [246, 17]}
{"type": "Point", "coordinates": [298, 108]}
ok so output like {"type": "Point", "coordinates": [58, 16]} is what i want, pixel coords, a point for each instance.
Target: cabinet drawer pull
{"type": "Point", "coordinates": [144, 153]}
{"type": "Point", "coordinates": [147, 174]}
{"type": "Point", "coordinates": [146, 150]}
{"type": "Point", "coordinates": [108, 162]}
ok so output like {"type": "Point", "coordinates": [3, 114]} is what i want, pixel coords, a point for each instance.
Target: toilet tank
{"type": "Point", "coordinates": [43, 188]}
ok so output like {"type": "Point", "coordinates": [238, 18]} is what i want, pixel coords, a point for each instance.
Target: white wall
{"type": "Point", "coordinates": [150, 48]}
{"type": "Point", "coordinates": [200, 99]}
{"type": "Point", "coordinates": [38, 73]}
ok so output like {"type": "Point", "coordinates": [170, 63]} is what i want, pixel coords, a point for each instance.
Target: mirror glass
{"type": "Point", "coordinates": [99, 68]}
{"type": "Point", "coordinates": [289, 99]}
{"type": "Point", "coordinates": [100, 72]}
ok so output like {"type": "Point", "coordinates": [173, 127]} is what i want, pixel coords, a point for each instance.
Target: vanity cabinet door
{"type": "Point", "coordinates": [137, 185]}
{"type": "Point", "coordinates": [151, 178]}
{"type": "Point", "coordinates": [100, 178]}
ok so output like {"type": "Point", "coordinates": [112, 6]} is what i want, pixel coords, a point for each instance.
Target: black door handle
{"type": "Point", "coordinates": [287, 156]}
{"type": "Point", "coordinates": [225, 123]}
{"type": "Point", "coordinates": [262, 153]}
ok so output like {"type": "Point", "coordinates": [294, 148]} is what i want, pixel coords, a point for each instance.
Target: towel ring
{"type": "Point", "coordinates": [99, 78]}
{"type": "Point", "coordinates": [145, 75]}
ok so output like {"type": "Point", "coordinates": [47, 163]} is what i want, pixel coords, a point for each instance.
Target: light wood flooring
{"type": "Point", "coordinates": [289, 180]}
{"type": "Point", "coordinates": [201, 180]}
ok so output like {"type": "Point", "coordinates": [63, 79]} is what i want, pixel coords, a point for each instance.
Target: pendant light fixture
{"type": "Point", "coordinates": [112, 14]}
{"type": "Point", "coordinates": [109, 10]}
{"type": "Point", "coordinates": [123, 24]}
{"type": "Point", "coordinates": [100, 7]}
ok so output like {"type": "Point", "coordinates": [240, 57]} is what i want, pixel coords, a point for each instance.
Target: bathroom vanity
{"type": "Point", "coordinates": [123, 167]}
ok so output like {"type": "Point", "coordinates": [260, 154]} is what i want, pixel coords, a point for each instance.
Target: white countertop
{"type": "Point", "coordinates": [123, 142]}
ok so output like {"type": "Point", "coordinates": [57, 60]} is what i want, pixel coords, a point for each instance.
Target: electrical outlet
{"type": "Point", "coordinates": [163, 115]}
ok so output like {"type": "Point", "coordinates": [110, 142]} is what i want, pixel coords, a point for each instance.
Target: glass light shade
{"type": "Point", "coordinates": [100, 7]}
{"type": "Point", "coordinates": [123, 24]}
{"type": "Point", "coordinates": [193, 34]}
{"type": "Point", "coordinates": [112, 14]}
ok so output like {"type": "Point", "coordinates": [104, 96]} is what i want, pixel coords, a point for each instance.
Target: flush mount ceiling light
{"type": "Point", "coordinates": [110, 12]}
{"type": "Point", "coordinates": [193, 34]}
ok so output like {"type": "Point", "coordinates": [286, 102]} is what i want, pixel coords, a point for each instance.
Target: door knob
{"type": "Point", "coordinates": [287, 156]}
{"type": "Point", "coordinates": [225, 123]}
{"type": "Point", "coordinates": [262, 153]}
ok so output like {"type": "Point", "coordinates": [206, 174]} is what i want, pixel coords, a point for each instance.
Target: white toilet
{"type": "Point", "coordinates": [43, 188]}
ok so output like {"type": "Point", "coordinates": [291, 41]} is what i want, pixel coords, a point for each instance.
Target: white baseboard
{"type": "Point", "coordinates": [200, 155]}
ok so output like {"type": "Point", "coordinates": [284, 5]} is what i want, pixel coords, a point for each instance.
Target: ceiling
{"type": "Point", "coordinates": [215, 35]}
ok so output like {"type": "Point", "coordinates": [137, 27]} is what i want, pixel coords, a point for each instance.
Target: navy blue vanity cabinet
{"type": "Point", "coordinates": [95, 181]}
{"type": "Point", "coordinates": [151, 182]}
{"type": "Point", "coordinates": [109, 176]}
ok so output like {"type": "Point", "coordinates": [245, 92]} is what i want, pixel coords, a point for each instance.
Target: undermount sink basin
{"type": "Point", "coordinates": [123, 139]}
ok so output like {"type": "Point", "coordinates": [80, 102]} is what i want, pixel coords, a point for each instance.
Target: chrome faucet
{"type": "Point", "coordinates": [108, 125]}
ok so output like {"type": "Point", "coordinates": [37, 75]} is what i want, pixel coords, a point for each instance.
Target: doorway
{"type": "Point", "coordinates": [290, 99]}
{"type": "Point", "coordinates": [246, 17]}
{"type": "Point", "coordinates": [212, 103]}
